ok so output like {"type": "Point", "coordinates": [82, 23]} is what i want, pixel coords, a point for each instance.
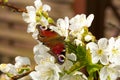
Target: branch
{"type": "Point", "coordinates": [12, 7]}
{"type": "Point", "coordinates": [21, 76]}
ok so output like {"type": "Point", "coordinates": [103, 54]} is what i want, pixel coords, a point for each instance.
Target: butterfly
{"type": "Point", "coordinates": [54, 41]}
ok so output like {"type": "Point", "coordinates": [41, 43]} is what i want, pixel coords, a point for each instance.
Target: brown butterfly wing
{"type": "Point", "coordinates": [54, 41]}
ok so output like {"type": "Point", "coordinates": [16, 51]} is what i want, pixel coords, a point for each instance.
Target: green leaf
{"type": "Point", "coordinates": [81, 53]}
{"type": "Point", "coordinates": [75, 67]}
{"type": "Point", "coordinates": [93, 68]}
{"type": "Point", "coordinates": [88, 57]}
{"type": "Point", "coordinates": [70, 47]}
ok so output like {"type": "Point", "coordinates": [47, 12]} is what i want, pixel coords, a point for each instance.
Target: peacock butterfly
{"type": "Point", "coordinates": [54, 41]}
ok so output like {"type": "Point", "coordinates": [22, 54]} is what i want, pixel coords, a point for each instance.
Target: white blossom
{"type": "Point", "coordinates": [80, 21]}
{"type": "Point", "coordinates": [44, 58]}
{"type": "Point", "coordinates": [88, 38]}
{"type": "Point", "coordinates": [31, 15]}
{"type": "Point", "coordinates": [111, 72]}
{"type": "Point", "coordinates": [114, 50]}
{"type": "Point", "coordinates": [35, 34]}
{"type": "Point", "coordinates": [40, 49]}
{"type": "Point", "coordinates": [98, 51]}
{"type": "Point", "coordinates": [62, 27]}
{"type": "Point", "coordinates": [8, 68]}
{"type": "Point", "coordinates": [74, 76]}
{"type": "Point", "coordinates": [47, 71]}
{"type": "Point", "coordinates": [22, 61]}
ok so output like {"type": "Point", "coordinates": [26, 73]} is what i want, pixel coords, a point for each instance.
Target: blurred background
{"type": "Point", "coordinates": [14, 40]}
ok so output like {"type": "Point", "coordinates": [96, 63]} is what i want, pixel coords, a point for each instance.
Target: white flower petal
{"type": "Point", "coordinates": [117, 43]}
{"type": "Point", "coordinates": [44, 58]}
{"type": "Point", "coordinates": [102, 43]}
{"type": "Point", "coordinates": [95, 59]}
{"type": "Point", "coordinates": [31, 27]}
{"type": "Point", "coordinates": [44, 21]}
{"type": "Point", "coordinates": [74, 76]}
{"type": "Point", "coordinates": [46, 7]}
{"type": "Point", "coordinates": [72, 56]}
{"type": "Point", "coordinates": [37, 4]}
{"type": "Point", "coordinates": [104, 60]}
{"type": "Point", "coordinates": [35, 75]}
{"type": "Point", "coordinates": [92, 46]}
{"type": "Point", "coordinates": [35, 34]}
{"type": "Point", "coordinates": [50, 71]}
{"type": "Point", "coordinates": [103, 73]}
{"type": "Point", "coordinates": [82, 20]}
{"type": "Point", "coordinates": [26, 17]}
{"type": "Point", "coordinates": [40, 49]}
{"type": "Point", "coordinates": [89, 20]}
{"type": "Point", "coordinates": [32, 13]}
{"type": "Point", "coordinates": [88, 38]}
{"type": "Point", "coordinates": [111, 43]}
{"type": "Point", "coordinates": [21, 61]}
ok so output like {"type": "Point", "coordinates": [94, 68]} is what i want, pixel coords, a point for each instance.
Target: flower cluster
{"type": "Point", "coordinates": [22, 65]}
{"type": "Point", "coordinates": [69, 41]}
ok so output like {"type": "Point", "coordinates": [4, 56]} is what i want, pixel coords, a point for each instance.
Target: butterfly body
{"type": "Point", "coordinates": [54, 41]}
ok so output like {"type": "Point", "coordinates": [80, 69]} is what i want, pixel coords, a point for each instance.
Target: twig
{"type": "Point", "coordinates": [21, 76]}
{"type": "Point", "coordinates": [12, 7]}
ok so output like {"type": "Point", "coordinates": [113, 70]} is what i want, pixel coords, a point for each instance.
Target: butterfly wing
{"type": "Point", "coordinates": [54, 41]}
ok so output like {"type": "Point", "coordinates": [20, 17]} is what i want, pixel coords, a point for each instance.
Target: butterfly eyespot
{"type": "Point", "coordinates": [43, 27]}
{"type": "Point", "coordinates": [61, 58]}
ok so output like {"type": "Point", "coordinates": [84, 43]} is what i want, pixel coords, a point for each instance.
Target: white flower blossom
{"type": "Point", "coordinates": [80, 21]}
{"type": "Point", "coordinates": [98, 51]}
{"type": "Point", "coordinates": [47, 71]}
{"type": "Point", "coordinates": [22, 61]}
{"type": "Point", "coordinates": [31, 15]}
{"type": "Point", "coordinates": [40, 49]}
{"type": "Point", "coordinates": [8, 68]}
{"type": "Point", "coordinates": [75, 76]}
{"type": "Point", "coordinates": [78, 42]}
{"type": "Point", "coordinates": [88, 38]}
{"type": "Point", "coordinates": [62, 27]}
{"type": "Point", "coordinates": [35, 34]}
{"type": "Point", "coordinates": [114, 50]}
{"type": "Point", "coordinates": [44, 58]}
{"type": "Point", "coordinates": [111, 72]}
{"type": "Point", "coordinates": [78, 25]}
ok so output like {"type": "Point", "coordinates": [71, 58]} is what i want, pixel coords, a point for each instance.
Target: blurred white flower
{"type": "Point", "coordinates": [41, 54]}
{"type": "Point", "coordinates": [31, 15]}
{"type": "Point", "coordinates": [44, 58]}
{"type": "Point", "coordinates": [62, 27]}
{"type": "Point", "coordinates": [80, 21]}
{"type": "Point", "coordinates": [38, 5]}
{"type": "Point", "coordinates": [88, 38]}
{"type": "Point", "coordinates": [40, 49]}
{"type": "Point", "coordinates": [78, 42]}
{"type": "Point", "coordinates": [98, 51]}
{"type": "Point", "coordinates": [114, 50]}
{"type": "Point", "coordinates": [47, 71]}
{"type": "Point", "coordinates": [35, 34]}
{"type": "Point", "coordinates": [74, 76]}
{"type": "Point", "coordinates": [22, 61]}
{"type": "Point", "coordinates": [8, 68]}
{"type": "Point", "coordinates": [111, 72]}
